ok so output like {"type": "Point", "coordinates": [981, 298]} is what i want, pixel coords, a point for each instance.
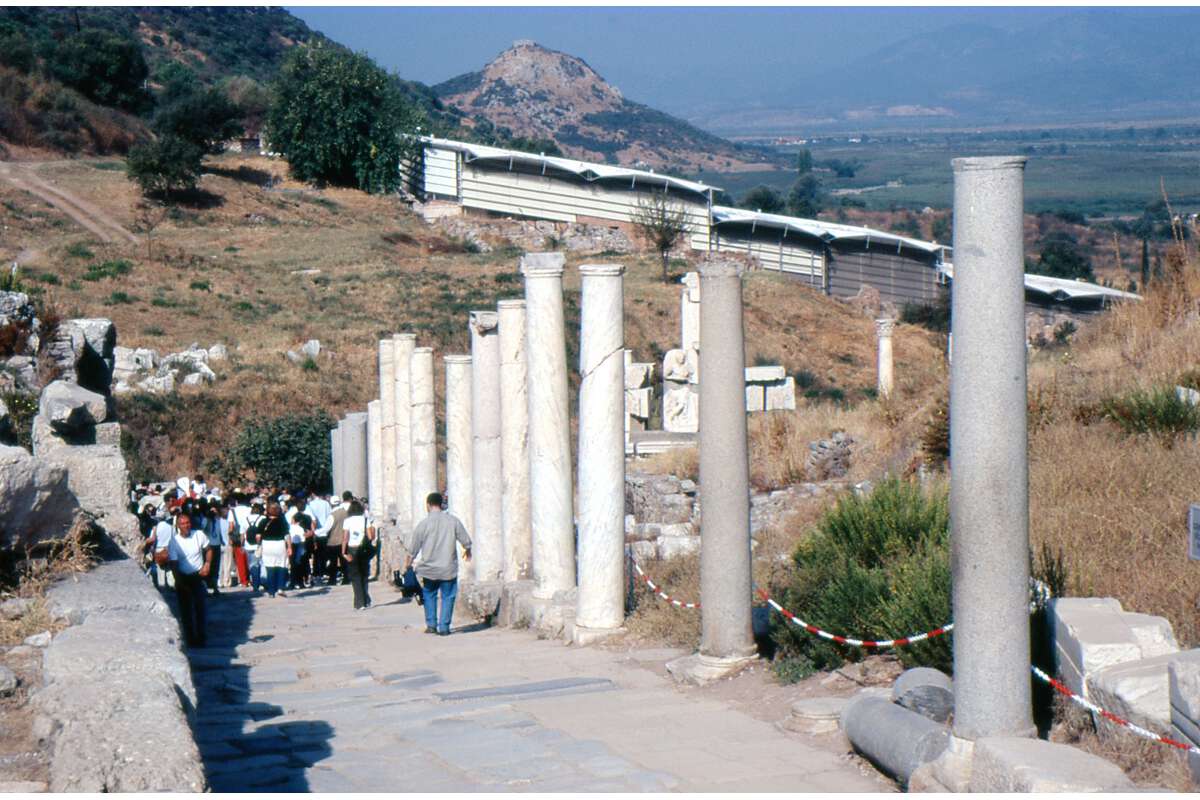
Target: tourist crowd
{"type": "Point", "coordinates": [200, 539]}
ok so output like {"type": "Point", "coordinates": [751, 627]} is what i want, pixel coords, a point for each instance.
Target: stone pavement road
{"type": "Point", "coordinates": [304, 694]}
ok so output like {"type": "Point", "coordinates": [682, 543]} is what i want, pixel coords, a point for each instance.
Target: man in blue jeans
{"type": "Point", "coordinates": [434, 541]}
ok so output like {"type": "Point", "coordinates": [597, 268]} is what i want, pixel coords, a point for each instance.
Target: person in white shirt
{"type": "Point", "coordinates": [160, 538]}
{"type": "Point", "coordinates": [190, 560]}
{"type": "Point", "coordinates": [357, 551]}
{"type": "Point", "coordinates": [320, 512]}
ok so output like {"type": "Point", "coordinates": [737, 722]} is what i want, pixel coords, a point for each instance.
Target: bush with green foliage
{"type": "Point", "coordinates": [291, 451]}
{"type": "Point", "coordinates": [205, 118]}
{"type": "Point", "coordinates": [165, 166]}
{"type": "Point", "coordinates": [337, 117]}
{"type": "Point", "coordinates": [104, 66]}
{"type": "Point", "coordinates": [876, 566]}
{"type": "Point", "coordinates": [806, 196]}
{"type": "Point", "coordinates": [764, 199]}
{"type": "Point", "coordinates": [1061, 258]}
{"type": "Point", "coordinates": [1159, 412]}
{"type": "Point", "coordinates": [22, 408]}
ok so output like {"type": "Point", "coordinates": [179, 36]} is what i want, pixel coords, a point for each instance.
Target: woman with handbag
{"type": "Point", "coordinates": [276, 550]}
{"type": "Point", "coordinates": [358, 548]}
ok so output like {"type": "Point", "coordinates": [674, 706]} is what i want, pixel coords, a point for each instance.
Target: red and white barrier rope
{"type": "Point", "coordinates": [833, 637]}
{"type": "Point", "coordinates": [659, 592]}
{"type": "Point", "coordinates": [1111, 717]}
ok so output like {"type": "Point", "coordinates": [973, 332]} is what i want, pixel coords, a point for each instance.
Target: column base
{"type": "Point", "coordinates": [952, 769]}
{"type": "Point", "coordinates": [699, 669]}
{"type": "Point", "coordinates": [584, 636]}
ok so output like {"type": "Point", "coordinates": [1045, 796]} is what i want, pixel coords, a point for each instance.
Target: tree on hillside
{"type": "Point", "coordinates": [764, 199]}
{"type": "Point", "coordinates": [105, 67]}
{"type": "Point", "coordinates": [804, 161]}
{"type": "Point", "coordinates": [806, 196]}
{"type": "Point", "coordinates": [661, 222]}
{"type": "Point", "coordinates": [1062, 258]}
{"type": "Point", "coordinates": [166, 166]}
{"type": "Point", "coordinates": [338, 117]}
{"type": "Point", "coordinates": [203, 117]}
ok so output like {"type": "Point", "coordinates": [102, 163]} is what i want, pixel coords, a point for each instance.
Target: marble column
{"type": "Point", "coordinates": [335, 450]}
{"type": "Point", "coordinates": [552, 512]}
{"type": "Point", "coordinates": [989, 484]}
{"type": "Point", "coordinates": [487, 544]}
{"type": "Point", "coordinates": [514, 442]}
{"type": "Point", "coordinates": [403, 345]}
{"type": "Point", "coordinates": [600, 608]}
{"type": "Point", "coordinates": [423, 453]}
{"type": "Point", "coordinates": [354, 453]}
{"type": "Point", "coordinates": [460, 496]}
{"type": "Point", "coordinates": [387, 423]}
{"type": "Point", "coordinates": [374, 459]}
{"type": "Point", "coordinates": [883, 334]}
{"type": "Point", "coordinates": [726, 637]}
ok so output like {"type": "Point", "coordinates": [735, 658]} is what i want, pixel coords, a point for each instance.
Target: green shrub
{"type": "Point", "coordinates": [120, 299]}
{"type": "Point", "coordinates": [291, 451]}
{"type": "Point", "coordinates": [22, 408]}
{"type": "Point", "coordinates": [167, 165]}
{"type": "Point", "coordinates": [875, 566]}
{"type": "Point", "coordinates": [108, 269]}
{"type": "Point", "coordinates": [200, 286]}
{"type": "Point", "coordinates": [1157, 411]}
{"type": "Point", "coordinates": [79, 250]}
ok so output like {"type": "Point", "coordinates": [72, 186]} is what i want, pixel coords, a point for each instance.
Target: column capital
{"type": "Point", "coordinates": [457, 358]}
{"type": "Point", "coordinates": [484, 322]}
{"type": "Point", "coordinates": [512, 302]}
{"type": "Point", "coordinates": [988, 163]}
{"type": "Point", "coordinates": [542, 265]}
{"type": "Point", "coordinates": [601, 270]}
{"type": "Point", "coordinates": [404, 337]}
{"type": "Point", "coordinates": [884, 328]}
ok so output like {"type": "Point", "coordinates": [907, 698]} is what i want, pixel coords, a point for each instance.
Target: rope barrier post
{"type": "Point", "coordinates": [989, 492]}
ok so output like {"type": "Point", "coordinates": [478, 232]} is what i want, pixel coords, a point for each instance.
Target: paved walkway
{"type": "Point", "coordinates": [304, 694]}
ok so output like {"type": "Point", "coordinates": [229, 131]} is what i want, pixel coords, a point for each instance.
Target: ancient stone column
{"type": "Point", "coordinates": [459, 495]}
{"type": "Point", "coordinates": [335, 449]}
{"type": "Point", "coordinates": [989, 492]}
{"type": "Point", "coordinates": [600, 607]}
{"type": "Point", "coordinates": [374, 459]}
{"type": "Point", "coordinates": [487, 543]}
{"type": "Point", "coordinates": [514, 442]}
{"type": "Point", "coordinates": [726, 637]}
{"type": "Point", "coordinates": [387, 423]}
{"type": "Point", "coordinates": [423, 452]}
{"type": "Point", "coordinates": [354, 453]}
{"type": "Point", "coordinates": [883, 333]}
{"type": "Point", "coordinates": [403, 345]}
{"type": "Point", "coordinates": [551, 515]}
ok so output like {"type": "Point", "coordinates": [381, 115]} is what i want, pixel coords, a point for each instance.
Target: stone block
{"type": "Point", "coordinates": [36, 502]}
{"type": "Point", "coordinates": [816, 715]}
{"type": "Point", "coordinates": [638, 375]}
{"type": "Point", "coordinates": [1091, 633]}
{"type": "Point", "coordinates": [643, 551]}
{"type": "Point", "coordinates": [1011, 764]}
{"type": "Point", "coordinates": [755, 397]}
{"type": "Point", "coordinates": [637, 402]}
{"type": "Point", "coordinates": [765, 374]}
{"type": "Point", "coordinates": [97, 476]}
{"type": "Point", "coordinates": [681, 409]}
{"type": "Point", "coordinates": [674, 546]}
{"type": "Point", "coordinates": [69, 408]}
{"type": "Point", "coordinates": [781, 396]}
{"type": "Point", "coordinates": [1139, 691]}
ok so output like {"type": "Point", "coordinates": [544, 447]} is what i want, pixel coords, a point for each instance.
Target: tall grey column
{"type": "Point", "coordinates": [403, 345]}
{"type": "Point", "coordinates": [387, 422]}
{"type": "Point", "coordinates": [552, 514]}
{"type": "Point", "coordinates": [600, 608]}
{"type": "Point", "coordinates": [459, 488]}
{"type": "Point", "coordinates": [487, 546]}
{"type": "Point", "coordinates": [335, 450]}
{"type": "Point", "coordinates": [726, 636]}
{"type": "Point", "coordinates": [424, 434]}
{"type": "Point", "coordinates": [374, 460]}
{"type": "Point", "coordinates": [989, 489]}
{"type": "Point", "coordinates": [354, 453]}
{"type": "Point", "coordinates": [514, 442]}
{"type": "Point", "coordinates": [883, 333]}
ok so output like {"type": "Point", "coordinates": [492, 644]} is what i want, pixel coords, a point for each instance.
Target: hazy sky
{"type": "Point", "coordinates": [670, 58]}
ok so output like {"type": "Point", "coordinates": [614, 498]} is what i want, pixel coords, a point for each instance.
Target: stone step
{"type": "Point", "coordinates": [551, 688]}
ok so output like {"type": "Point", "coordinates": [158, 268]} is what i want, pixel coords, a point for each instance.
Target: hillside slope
{"type": "Point", "coordinates": [543, 94]}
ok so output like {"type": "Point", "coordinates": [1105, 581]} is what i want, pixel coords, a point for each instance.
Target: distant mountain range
{"type": "Point", "coordinates": [1082, 66]}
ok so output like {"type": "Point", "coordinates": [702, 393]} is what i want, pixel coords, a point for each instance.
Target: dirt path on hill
{"type": "Point", "coordinates": [81, 211]}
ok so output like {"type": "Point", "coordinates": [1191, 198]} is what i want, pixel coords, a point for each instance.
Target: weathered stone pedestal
{"type": "Point", "coordinates": [424, 432]}
{"type": "Point", "coordinates": [514, 442]}
{"type": "Point", "coordinates": [403, 345]}
{"type": "Point", "coordinates": [487, 537]}
{"type": "Point", "coordinates": [459, 495]}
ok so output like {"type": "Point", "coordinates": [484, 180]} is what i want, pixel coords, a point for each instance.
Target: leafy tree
{"type": "Point", "coordinates": [942, 229]}
{"type": "Point", "coordinates": [661, 222]}
{"type": "Point", "coordinates": [806, 196]}
{"type": "Point", "coordinates": [763, 198]}
{"type": "Point", "coordinates": [291, 451]}
{"type": "Point", "coordinates": [1062, 258]}
{"type": "Point", "coordinates": [205, 118]}
{"type": "Point", "coordinates": [105, 67]}
{"type": "Point", "coordinates": [338, 117]}
{"type": "Point", "coordinates": [804, 161]}
{"type": "Point", "coordinates": [844, 169]}
{"type": "Point", "coordinates": [16, 51]}
{"type": "Point", "coordinates": [167, 165]}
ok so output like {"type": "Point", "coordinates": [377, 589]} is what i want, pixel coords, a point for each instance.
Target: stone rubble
{"type": "Point", "coordinates": [487, 235]}
{"type": "Point", "coordinates": [143, 369]}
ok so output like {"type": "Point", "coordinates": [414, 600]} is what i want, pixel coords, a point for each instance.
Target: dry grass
{"type": "Point", "coordinates": [1147, 764]}
{"type": "Point", "coordinates": [73, 554]}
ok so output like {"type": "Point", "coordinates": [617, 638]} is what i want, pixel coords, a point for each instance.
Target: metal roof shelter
{"type": "Point", "coordinates": [1063, 291]}
{"type": "Point", "coordinates": [828, 232]}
